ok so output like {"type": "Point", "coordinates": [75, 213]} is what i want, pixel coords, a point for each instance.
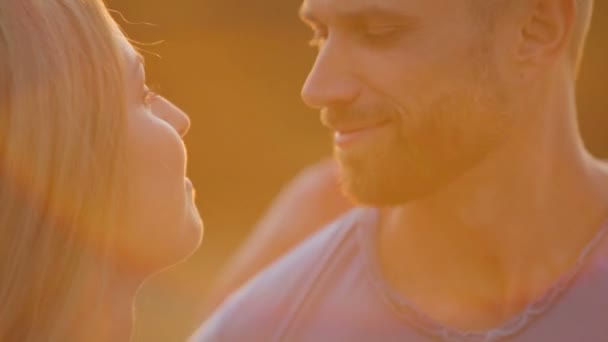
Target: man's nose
{"type": "Point", "coordinates": [330, 82]}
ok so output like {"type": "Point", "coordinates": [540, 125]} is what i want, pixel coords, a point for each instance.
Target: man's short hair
{"type": "Point", "coordinates": [488, 10]}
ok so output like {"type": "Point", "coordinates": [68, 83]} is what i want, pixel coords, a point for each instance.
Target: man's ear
{"type": "Point", "coordinates": [546, 32]}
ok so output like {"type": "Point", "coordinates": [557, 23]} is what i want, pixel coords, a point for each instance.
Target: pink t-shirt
{"type": "Point", "coordinates": [330, 289]}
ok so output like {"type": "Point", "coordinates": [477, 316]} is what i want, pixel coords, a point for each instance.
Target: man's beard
{"type": "Point", "coordinates": [426, 148]}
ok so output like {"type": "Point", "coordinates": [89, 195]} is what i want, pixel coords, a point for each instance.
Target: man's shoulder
{"type": "Point", "coordinates": [257, 310]}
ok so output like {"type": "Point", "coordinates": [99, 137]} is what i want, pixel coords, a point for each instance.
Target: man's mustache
{"type": "Point", "coordinates": [335, 118]}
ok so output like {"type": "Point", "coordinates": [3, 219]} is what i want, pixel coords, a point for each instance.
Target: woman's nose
{"type": "Point", "coordinates": [174, 116]}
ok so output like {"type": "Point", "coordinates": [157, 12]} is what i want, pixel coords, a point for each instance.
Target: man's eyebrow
{"type": "Point", "coordinates": [307, 15]}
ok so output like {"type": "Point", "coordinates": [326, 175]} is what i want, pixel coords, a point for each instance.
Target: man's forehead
{"type": "Point", "coordinates": [348, 5]}
{"type": "Point", "coordinates": [311, 9]}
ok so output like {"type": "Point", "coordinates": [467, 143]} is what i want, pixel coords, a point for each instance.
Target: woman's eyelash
{"type": "Point", "coordinates": [150, 95]}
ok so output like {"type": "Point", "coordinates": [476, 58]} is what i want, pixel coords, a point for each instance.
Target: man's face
{"type": "Point", "coordinates": [410, 89]}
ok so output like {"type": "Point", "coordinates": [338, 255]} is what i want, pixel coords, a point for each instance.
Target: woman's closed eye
{"type": "Point", "coordinates": [149, 96]}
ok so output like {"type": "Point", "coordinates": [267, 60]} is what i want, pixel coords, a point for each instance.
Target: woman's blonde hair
{"type": "Point", "coordinates": [62, 134]}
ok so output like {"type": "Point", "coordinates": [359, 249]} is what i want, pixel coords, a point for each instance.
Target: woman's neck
{"type": "Point", "coordinates": [100, 307]}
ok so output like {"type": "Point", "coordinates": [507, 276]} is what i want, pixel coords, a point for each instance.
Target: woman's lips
{"type": "Point", "coordinates": [190, 188]}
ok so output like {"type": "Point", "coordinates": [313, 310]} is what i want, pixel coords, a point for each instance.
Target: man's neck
{"type": "Point", "coordinates": [501, 234]}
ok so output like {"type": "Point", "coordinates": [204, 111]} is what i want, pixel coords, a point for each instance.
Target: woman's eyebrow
{"type": "Point", "coordinates": [140, 61]}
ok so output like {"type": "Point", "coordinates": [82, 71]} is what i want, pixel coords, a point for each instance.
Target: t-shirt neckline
{"type": "Point", "coordinates": [367, 233]}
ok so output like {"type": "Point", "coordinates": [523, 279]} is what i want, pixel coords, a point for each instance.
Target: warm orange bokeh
{"type": "Point", "coordinates": [236, 67]}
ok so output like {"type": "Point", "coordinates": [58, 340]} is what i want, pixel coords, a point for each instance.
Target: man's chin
{"type": "Point", "coordinates": [382, 181]}
{"type": "Point", "coordinates": [368, 188]}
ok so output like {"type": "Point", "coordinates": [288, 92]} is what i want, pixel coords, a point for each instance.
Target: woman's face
{"type": "Point", "coordinates": [163, 224]}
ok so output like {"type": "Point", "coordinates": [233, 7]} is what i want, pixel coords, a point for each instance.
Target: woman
{"type": "Point", "coordinates": [93, 197]}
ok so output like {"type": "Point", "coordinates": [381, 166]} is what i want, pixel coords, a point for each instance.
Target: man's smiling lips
{"type": "Point", "coordinates": [349, 133]}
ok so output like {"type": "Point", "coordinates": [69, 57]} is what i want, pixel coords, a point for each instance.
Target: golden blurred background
{"type": "Point", "coordinates": [236, 67]}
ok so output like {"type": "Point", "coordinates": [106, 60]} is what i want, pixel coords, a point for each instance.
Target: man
{"type": "Point", "coordinates": [455, 124]}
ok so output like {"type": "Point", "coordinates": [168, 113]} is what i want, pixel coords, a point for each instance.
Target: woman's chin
{"type": "Point", "coordinates": [187, 244]}
{"type": "Point", "coordinates": [153, 255]}
{"type": "Point", "coordinates": [193, 237]}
